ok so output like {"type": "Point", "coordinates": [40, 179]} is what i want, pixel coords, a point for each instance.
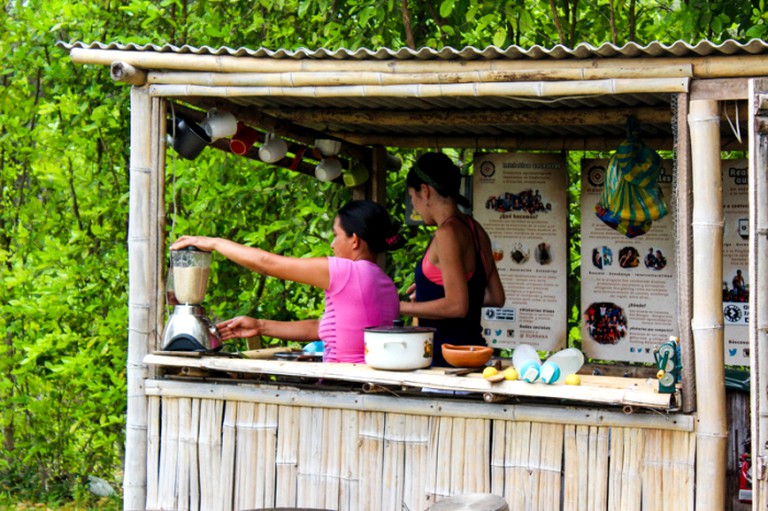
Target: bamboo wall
{"type": "Point", "coordinates": [207, 453]}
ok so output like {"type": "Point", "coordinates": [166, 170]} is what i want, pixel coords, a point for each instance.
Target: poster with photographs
{"type": "Point", "coordinates": [736, 261]}
{"type": "Point", "coordinates": [521, 201]}
{"type": "Point", "coordinates": [628, 285]}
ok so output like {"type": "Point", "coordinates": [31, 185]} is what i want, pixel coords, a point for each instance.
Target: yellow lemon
{"type": "Point", "coordinates": [573, 379]}
{"type": "Point", "coordinates": [510, 373]}
{"type": "Point", "coordinates": [490, 371]}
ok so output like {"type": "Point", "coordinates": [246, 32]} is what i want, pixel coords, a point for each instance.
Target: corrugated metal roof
{"type": "Point", "coordinates": [558, 52]}
{"type": "Point", "coordinates": [446, 119]}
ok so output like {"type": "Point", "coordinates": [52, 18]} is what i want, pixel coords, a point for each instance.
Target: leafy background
{"type": "Point", "coordinates": [64, 133]}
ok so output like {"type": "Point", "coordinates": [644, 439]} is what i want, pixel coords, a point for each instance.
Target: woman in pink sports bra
{"type": "Point", "coordinates": [457, 275]}
{"type": "Point", "coordinates": [358, 294]}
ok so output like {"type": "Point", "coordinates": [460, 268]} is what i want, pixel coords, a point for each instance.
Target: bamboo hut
{"type": "Point", "coordinates": [210, 441]}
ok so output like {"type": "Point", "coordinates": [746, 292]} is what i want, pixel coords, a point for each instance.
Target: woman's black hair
{"type": "Point", "coordinates": [438, 171]}
{"type": "Point", "coordinates": [371, 222]}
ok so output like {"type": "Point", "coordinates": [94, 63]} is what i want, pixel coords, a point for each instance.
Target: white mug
{"type": "Point", "coordinates": [219, 124]}
{"type": "Point", "coordinates": [328, 169]}
{"type": "Point", "coordinates": [273, 150]}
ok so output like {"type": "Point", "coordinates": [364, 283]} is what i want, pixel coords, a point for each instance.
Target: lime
{"type": "Point", "coordinates": [510, 373]}
{"type": "Point", "coordinates": [573, 379]}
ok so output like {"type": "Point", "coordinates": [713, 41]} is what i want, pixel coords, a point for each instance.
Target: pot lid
{"type": "Point", "coordinates": [398, 327]}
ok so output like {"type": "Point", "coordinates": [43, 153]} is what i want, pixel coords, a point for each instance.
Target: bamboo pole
{"type": "Point", "coordinates": [228, 459]}
{"type": "Point", "coordinates": [614, 468]}
{"type": "Point", "coordinates": [572, 468]}
{"type": "Point", "coordinates": [516, 142]}
{"type": "Point", "coordinates": [169, 440]}
{"type": "Point", "coordinates": [211, 417]}
{"type": "Point", "coordinates": [598, 474]}
{"type": "Point", "coordinates": [416, 452]}
{"type": "Point", "coordinates": [455, 457]}
{"type": "Point", "coordinates": [144, 310]}
{"type": "Point", "coordinates": [707, 322]}
{"type": "Point", "coordinates": [126, 73]}
{"type": "Point", "coordinates": [684, 253]}
{"type": "Point", "coordinates": [332, 456]}
{"type": "Point", "coordinates": [371, 455]}
{"type": "Point", "coordinates": [335, 78]}
{"type": "Point", "coordinates": [703, 67]}
{"type": "Point", "coordinates": [498, 447]}
{"type": "Point", "coordinates": [510, 89]}
{"type": "Point", "coordinates": [393, 463]}
{"type": "Point", "coordinates": [153, 451]}
{"type": "Point", "coordinates": [758, 279]}
{"type": "Point", "coordinates": [476, 118]}
{"type": "Point", "coordinates": [286, 458]}
{"type": "Point", "coordinates": [349, 490]}
{"type": "Point", "coordinates": [652, 472]}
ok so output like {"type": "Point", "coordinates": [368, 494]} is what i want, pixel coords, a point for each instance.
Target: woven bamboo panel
{"type": "Point", "coordinates": [214, 454]}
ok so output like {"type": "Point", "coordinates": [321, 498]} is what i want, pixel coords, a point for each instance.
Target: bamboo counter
{"type": "Point", "coordinates": [629, 393]}
{"type": "Point", "coordinates": [239, 434]}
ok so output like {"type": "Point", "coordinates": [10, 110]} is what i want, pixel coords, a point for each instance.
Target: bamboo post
{"type": "Point", "coordinates": [707, 322]}
{"type": "Point", "coordinates": [683, 217]}
{"type": "Point", "coordinates": [758, 280]}
{"type": "Point", "coordinates": [144, 315]}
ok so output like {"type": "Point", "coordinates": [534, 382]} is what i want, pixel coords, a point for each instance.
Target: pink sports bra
{"type": "Point", "coordinates": [432, 272]}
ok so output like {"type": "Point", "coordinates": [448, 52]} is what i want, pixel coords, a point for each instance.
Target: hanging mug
{"type": "Point", "coordinates": [273, 150]}
{"type": "Point", "coordinates": [243, 140]}
{"type": "Point", "coordinates": [219, 124]}
{"type": "Point", "coordinates": [190, 139]}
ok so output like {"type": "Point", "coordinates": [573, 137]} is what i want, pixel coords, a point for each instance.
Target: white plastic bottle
{"type": "Point", "coordinates": [527, 362]}
{"type": "Point", "coordinates": [561, 364]}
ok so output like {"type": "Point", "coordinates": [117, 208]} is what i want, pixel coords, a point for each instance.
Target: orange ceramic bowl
{"type": "Point", "coordinates": [466, 356]}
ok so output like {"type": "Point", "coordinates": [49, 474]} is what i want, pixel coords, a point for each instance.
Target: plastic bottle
{"type": "Point", "coordinates": [561, 364]}
{"type": "Point", "coordinates": [527, 362]}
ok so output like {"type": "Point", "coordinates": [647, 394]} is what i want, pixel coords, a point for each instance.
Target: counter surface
{"type": "Point", "coordinates": [628, 393]}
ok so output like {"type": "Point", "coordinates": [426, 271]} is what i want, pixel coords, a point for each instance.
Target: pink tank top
{"type": "Point", "coordinates": [432, 272]}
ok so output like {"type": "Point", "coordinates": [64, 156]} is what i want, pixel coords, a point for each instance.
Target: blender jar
{"type": "Point", "coordinates": [190, 274]}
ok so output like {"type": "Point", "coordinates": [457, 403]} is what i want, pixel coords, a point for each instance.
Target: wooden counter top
{"type": "Point", "coordinates": [628, 393]}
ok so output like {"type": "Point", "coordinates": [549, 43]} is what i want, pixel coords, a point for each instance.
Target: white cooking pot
{"type": "Point", "coordinates": [398, 347]}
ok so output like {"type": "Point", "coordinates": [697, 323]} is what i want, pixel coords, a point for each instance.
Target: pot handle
{"type": "Point", "coordinates": [387, 343]}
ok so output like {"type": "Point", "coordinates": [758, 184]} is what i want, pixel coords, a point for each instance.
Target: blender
{"type": "Point", "coordinates": [188, 328]}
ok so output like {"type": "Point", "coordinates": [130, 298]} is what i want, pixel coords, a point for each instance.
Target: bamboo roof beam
{"type": "Point", "coordinates": [538, 89]}
{"type": "Point", "coordinates": [512, 142]}
{"type": "Point", "coordinates": [540, 117]}
{"type": "Point", "coordinates": [336, 78]}
{"type": "Point", "coordinates": [703, 67]}
{"type": "Point", "coordinates": [512, 117]}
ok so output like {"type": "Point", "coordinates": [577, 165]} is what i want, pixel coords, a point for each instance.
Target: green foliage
{"type": "Point", "coordinates": [64, 186]}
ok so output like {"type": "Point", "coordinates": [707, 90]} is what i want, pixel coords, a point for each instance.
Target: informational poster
{"type": "Point", "coordinates": [628, 285]}
{"type": "Point", "coordinates": [736, 261]}
{"type": "Point", "coordinates": [521, 201]}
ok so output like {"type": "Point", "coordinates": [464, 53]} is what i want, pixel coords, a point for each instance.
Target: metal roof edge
{"type": "Point", "coordinates": [558, 52]}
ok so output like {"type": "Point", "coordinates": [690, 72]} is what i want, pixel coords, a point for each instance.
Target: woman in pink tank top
{"type": "Point", "coordinates": [457, 275]}
{"type": "Point", "coordinates": [358, 294]}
